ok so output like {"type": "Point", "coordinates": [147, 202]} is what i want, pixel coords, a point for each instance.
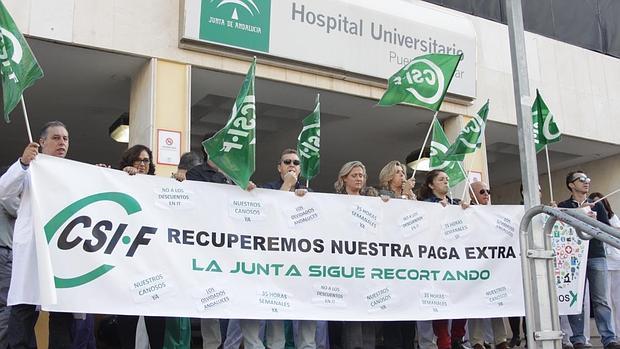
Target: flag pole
{"type": "Point", "coordinates": [428, 133]}
{"type": "Point", "coordinates": [468, 184]}
{"type": "Point", "coordinates": [307, 183]}
{"type": "Point", "coordinates": [608, 195]}
{"type": "Point", "coordinates": [549, 173]}
{"type": "Point", "coordinates": [26, 119]}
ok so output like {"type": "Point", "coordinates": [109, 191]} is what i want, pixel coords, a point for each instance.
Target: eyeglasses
{"type": "Point", "coordinates": [487, 191]}
{"type": "Point", "coordinates": [582, 179]}
{"type": "Point", "coordinates": [145, 161]}
{"type": "Point", "coordinates": [288, 162]}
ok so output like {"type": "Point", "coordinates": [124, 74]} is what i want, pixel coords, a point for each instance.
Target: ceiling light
{"type": "Point", "coordinates": [119, 131]}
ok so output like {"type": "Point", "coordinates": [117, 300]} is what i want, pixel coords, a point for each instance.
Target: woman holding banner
{"type": "Point", "coordinates": [139, 160]}
{"type": "Point", "coordinates": [353, 334]}
{"type": "Point", "coordinates": [435, 189]}
{"type": "Point", "coordinates": [393, 183]}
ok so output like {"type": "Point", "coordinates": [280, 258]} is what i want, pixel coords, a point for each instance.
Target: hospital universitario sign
{"type": "Point", "coordinates": [363, 37]}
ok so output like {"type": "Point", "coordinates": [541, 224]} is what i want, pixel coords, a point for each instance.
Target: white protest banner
{"type": "Point", "coordinates": [120, 244]}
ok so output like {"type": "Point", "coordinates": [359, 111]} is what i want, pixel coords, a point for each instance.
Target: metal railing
{"type": "Point", "coordinates": [537, 262]}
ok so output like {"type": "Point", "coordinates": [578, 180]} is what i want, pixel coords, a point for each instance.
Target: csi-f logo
{"type": "Point", "coordinates": [549, 129]}
{"type": "Point", "coordinates": [16, 55]}
{"type": "Point", "coordinates": [310, 147]}
{"type": "Point", "coordinates": [424, 79]}
{"type": "Point", "coordinates": [475, 126]}
{"type": "Point", "coordinates": [103, 235]}
{"type": "Point", "coordinates": [241, 126]}
{"type": "Point", "coordinates": [438, 149]}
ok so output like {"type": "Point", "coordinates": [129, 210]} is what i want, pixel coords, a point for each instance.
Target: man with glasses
{"type": "Point", "coordinates": [482, 193]}
{"type": "Point", "coordinates": [289, 169]}
{"type": "Point", "coordinates": [15, 184]}
{"type": "Point", "coordinates": [578, 183]}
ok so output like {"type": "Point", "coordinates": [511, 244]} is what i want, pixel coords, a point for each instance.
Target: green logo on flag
{"type": "Point", "coordinates": [240, 23]}
{"type": "Point", "coordinates": [424, 81]}
{"type": "Point", "coordinates": [308, 143]}
{"type": "Point", "coordinates": [546, 131]}
{"type": "Point", "coordinates": [470, 137]}
{"type": "Point", "coordinates": [18, 66]}
{"type": "Point", "coordinates": [439, 147]}
{"type": "Point", "coordinates": [233, 147]}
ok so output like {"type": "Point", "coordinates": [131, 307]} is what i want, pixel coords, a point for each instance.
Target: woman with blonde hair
{"type": "Point", "coordinates": [353, 334]}
{"type": "Point", "coordinates": [352, 180]}
{"type": "Point", "coordinates": [393, 181]}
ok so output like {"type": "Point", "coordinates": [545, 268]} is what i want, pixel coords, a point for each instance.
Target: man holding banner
{"type": "Point", "coordinates": [24, 291]}
{"type": "Point", "coordinates": [289, 169]}
{"type": "Point", "coordinates": [578, 183]}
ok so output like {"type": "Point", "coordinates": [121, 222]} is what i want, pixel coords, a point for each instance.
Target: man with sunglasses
{"type": "Point", "coordinates": [578, 183]}
{"type": "Point", "coordinates": [480, 190]}
{"type": "Point", "coordinates": [289, 169]}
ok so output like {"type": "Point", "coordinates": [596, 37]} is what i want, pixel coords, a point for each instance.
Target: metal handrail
{"type": "Point", "coordinates": [586, 228]}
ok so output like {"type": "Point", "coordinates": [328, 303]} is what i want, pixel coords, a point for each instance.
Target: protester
{"type": "Point", "coordinates": [394, 184]}
{"type": "Point", "coordinates": [354, 334]}
{"type": "Point", "coordinates": [8, 213]}
{"type": "Point", "coordinates": [613, 262]}
{"type": "Point", "coordinates": [139, 160]}
{"type": "Point", "coordinates": [435, 189]}
{"type": "Point", "coordinates": [187, 161]}
{"type": "Point", "coordinates": [482, 193]}
{"type": "Point", "coordinates": [578, 183]}
{"type": "Point", "coordinates": [210, 328]}
{"type": "Point", "coordinates": [53, 141]}
{"type": "Point", "coordinates": [288, 180]}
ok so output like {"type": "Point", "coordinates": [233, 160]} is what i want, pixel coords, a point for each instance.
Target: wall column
{"type": "Point", "coordinates": [160, 100]}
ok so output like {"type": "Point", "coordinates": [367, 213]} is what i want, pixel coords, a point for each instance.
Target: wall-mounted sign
{"type": "Point", "coordinates": [168, 147]}
{"type": "Point", "coordinates": [373, 38]}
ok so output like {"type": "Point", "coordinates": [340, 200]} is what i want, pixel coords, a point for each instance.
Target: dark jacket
{"type": "Point", "coordinates": [277, 184]}
{"type": "Point", "coordinates": [596, 249]}
{"type": "Point", "coordinates": [451, 201]}
{"type": "Point", "coordinates": [206, 173]}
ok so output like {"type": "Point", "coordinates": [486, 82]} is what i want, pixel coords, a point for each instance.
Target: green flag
{"type": "Point", "coordinates": [439, 146]}
{"type": "Point", "coordinates": [232, 148]}
{"type": "Point", "coordinates": [19, 67]}
{"type": "Point", "coordinates": [308, 143]}
{"type": "Point", "coordinates": [423, 82]}
{"type": "Point", "coordinates": [546, 131]}
{"type": "Point", "coordinates": [470, 137]}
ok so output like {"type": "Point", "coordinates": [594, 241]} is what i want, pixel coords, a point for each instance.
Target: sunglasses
{"type": "Point", "coordinates": [582, 179]}
{"type": "Point", "coordinates": [483, 191]}
{"type": "Point", "coordinates": [288, 162]}
{"type": "Point", "coordinates": [143, 161]}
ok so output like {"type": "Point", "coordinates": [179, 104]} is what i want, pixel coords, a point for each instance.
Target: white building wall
{"type": "Point", "coordinates": [580, 86]}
